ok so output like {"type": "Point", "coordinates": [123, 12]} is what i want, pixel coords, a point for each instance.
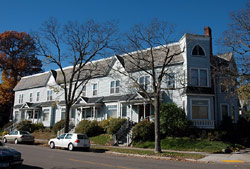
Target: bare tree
{"type": "Point", "coordinates": [237, 38]}
{"type": "Point", "coordinates": [151, 56]}
{"type": "Point", "coordinates": [77, 44]}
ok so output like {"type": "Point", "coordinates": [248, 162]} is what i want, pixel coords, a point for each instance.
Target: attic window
{"type": "Point", "coordinates": [198, 51]}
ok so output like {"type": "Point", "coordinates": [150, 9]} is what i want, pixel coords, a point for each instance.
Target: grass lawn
{"type": "Point", "coordinates": [103, 139]}
{"type": "Point", "coordinates": [187, 144]}
{"type": "Point", "coordinates": [43, 135]}
{"type": "Point", "coordinates": [149, 153]}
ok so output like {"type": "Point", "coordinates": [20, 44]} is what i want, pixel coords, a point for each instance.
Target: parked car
{"type": "Point", "coordinates": [70, 141]}
{"type": "Point", "coordinates": [17, 136]}
{"type": "Point", "coordinates": [9, 157]}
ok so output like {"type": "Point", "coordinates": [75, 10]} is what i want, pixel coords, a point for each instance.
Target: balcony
{"type": "Point", "coordinates": [204, 124]}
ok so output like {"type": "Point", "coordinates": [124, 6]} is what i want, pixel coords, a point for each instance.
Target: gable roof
{"type": "Point", "coordinates": [34, 81]}
{"type": "Point", "coordinates": [101, 67]}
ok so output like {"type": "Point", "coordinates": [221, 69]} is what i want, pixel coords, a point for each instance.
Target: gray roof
{"type": "Point", "coordinates": [34, 81]}
{"type": "Point", "coordinates": [102, 67]}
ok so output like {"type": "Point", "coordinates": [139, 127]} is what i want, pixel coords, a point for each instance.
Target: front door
{"type": "Point", "coordinates": [144, 112]}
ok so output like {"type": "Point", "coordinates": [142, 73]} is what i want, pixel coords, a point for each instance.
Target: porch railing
{"type": "Point", "coordinates": [206, 124]}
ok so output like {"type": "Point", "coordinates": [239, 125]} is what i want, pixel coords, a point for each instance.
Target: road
{"type": "Point", "coordinates": [36, 157]}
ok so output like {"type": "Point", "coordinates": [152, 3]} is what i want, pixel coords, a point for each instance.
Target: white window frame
{"type": "Point", "coordinates": [205, 54]}
{"type": "Point", "coordinates": [20, 98]}
{"type": "Point", "coordinates": [84, 91]}
{"type": "Point", "coordinates": [37, 96]}
{"type": "Point", "coordinates": [223, 104]}
{"type": "Point", "coordinates": [170, 77]}
{"type": "Point", "coordinates": [115, 87]}
{"type": "Point", "coordinates": [31, 97]}
{"type": "Point", "coordinates": [144, 82]}
{"type": "Point", "coordinates": [93, 90]}
{"type": "Point", "coordinates": [49, 95]}
{"type": "Point", "coordinates": [199, 77]}
{"type": "Point", "coordinates": [48, 112]}
{"type": "Point", "coordinates": [191, 107]}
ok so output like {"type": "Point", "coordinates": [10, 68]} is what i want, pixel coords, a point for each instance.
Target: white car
{"type": "Point", "coordinates": [70, 141]}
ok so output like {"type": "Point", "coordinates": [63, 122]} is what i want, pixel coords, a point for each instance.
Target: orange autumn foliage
{"type": "Point", "coordinates": [17, 59]}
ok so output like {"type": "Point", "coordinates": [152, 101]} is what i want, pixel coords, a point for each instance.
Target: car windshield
{"type": "Point", "coordinates": [82, 136]}
{"type": "Point", "coordinates": [24, 132]}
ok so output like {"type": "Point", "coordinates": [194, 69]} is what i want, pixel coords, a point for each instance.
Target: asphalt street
{"type": "Point", "coordinates": [36, 157]}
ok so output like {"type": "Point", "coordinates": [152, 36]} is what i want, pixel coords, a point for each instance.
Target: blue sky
{"type": "Point", "coordinates": [190, 16]}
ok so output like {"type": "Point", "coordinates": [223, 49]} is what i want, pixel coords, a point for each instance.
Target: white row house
{"type": "Point", "coordinates": [190, 84]}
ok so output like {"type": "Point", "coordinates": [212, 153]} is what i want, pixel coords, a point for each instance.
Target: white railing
{"type": "Point", "coordinates": [206, 124]}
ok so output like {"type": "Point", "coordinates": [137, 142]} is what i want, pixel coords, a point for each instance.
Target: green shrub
{"type": "Point", "coordinates": [26, 126]}
{"type": "Point", "coordinates": [39, 127]}
{"type": "Point", "coordinates": [143, 131]}
{"type": "Point", "coordinates": [58, 126]}
{"type": "Point", "coordinates": [173, 120]}
{"type": "Point", "coordinates": [89, 128]}
{"type": "Point", "coordinates": [104, 125]}
{"type": "Point", "coordinates": [114, 125]}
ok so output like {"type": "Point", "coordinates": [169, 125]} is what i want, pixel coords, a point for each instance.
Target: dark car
{"type": "Point", "coordinates": [9, 157]}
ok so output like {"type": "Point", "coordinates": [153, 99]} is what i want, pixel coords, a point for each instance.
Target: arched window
{"type": "Point", "coordinates": [197, 50]}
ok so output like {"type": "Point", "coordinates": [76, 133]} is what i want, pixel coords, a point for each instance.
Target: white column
{"type": "Point", "coordinates": [131, 112]}
{"type": "Point", "coordinates": [94, 113]}
{"type": "Point", "coordinates": [121, 110]}
{"type": "Point", "coordinates": [144, 110]}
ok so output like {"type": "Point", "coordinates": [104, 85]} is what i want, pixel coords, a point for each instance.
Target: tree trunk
{"type": "Point", "coordinates": [66, 128]}
{"type": "Point", "coordinates": [157, 124]}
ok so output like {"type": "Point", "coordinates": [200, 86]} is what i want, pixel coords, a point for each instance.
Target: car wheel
{"type": "Point", "coordinates": [52, 145]}
{"type": "Point", "coordinates": [71, 147]}
{"type": "Point", "coordinates": [16, 141]}
{"type": "Point", "coordinates": [4, 140]}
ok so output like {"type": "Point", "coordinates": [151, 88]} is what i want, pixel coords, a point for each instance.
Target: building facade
{"type": "Point", "coordinates": [190, 83]}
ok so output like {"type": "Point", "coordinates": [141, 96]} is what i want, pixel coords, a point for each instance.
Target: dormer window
{"type": "Point", "coordinates": [198, 51]}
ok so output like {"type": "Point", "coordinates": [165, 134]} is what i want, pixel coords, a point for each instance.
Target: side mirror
{"type": "Point", "coordinates": [58, 138]}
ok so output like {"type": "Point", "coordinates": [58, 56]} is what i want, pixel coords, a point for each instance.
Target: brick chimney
{"type": "Point", "coordinates": [208, 32]}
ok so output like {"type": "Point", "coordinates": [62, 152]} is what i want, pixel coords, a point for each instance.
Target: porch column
{"type": "Point", "coordinates": [81, 115]}
{"type": "Point", "coordinates": [144, 110]}
{"type": "Point", "coordinates": [121, 110]}
{"type": "Point", "coordinates": [94, 112]}
{"type": "Point", "coordinates": [131, 112]}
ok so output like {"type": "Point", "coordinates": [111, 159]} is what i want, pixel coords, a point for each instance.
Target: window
{"type": "Point", "coordinates": [49, 95]}
{"type": "Point", "coordinates": [144, 81]}
{"type": "Point", "coordinates": [69, 136]}
{"type": "Point", "coordinates": [94, 89]}
{"type": "Point", "coordinates": [20, 98]}
{"type": "Point", "coordinates": [233, 113]}
{"type": "Point", "coordinates": [62, 136]}
{"type": "Point", "coordinates": [200, 109]}
{"type": "Point", "coordinates": [112, 111]}
{"type": "Point", "coordinates": [203, 77]}
{"type": "Point", "coordinates": [170, 80]}
{"type": "Point", "coordinates": [114, 87]}
{"type": "Point", "coordinates": [198, 51]}
{"type": "Point", "coordinates": [124, 111]}
{"type": "Point", "coordinates": [194, 77]}
{"type": "Point", "coordinates": [37, 96]}
{"type": "Point", "coordinates": [31, 97]}
{"type": "Point", "coordinates": [46, 115]}
{"type": "Point", "coordinates": [84, 91]}
{"type": "Point", "coordinates": [199, 77]}
{"type": "Point", "coordinates": [29, 114]}
{"type": "Point", "coordinates": [63, 112]}
{"type": "Point", "coordinates": [224, 110]}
